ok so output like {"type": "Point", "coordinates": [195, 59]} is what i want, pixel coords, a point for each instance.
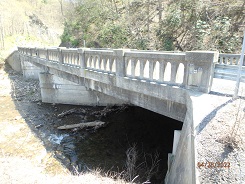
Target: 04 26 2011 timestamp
{"type": "Point", "coordinates": [210, 165]}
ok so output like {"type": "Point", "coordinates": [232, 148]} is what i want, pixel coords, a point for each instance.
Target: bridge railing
{"type": "Point", "coordinates": [42, 53]}
{"type": "Point", "coordinates": [191, 70]}
{"type": "Point", "coordinates": [100, 60]}
{"type": "Point", "coordinates": [156, 66]}
{"type": "Point", "coordinates": [70, 57]}
{"type": "Point", "coordinates": [230, 59]}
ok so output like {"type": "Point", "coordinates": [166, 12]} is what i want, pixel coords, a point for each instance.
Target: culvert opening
{"type": "Point", "coordinates": [134, 140]}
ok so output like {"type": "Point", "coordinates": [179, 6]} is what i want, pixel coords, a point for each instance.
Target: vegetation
{"type": "Point", "coordinates": [157, 24]}
{"type": "Point", "coordinates": [30, 23]}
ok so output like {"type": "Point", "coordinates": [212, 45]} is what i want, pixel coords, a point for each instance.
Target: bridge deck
{"type": "Point", "coordinates": [226, 87]}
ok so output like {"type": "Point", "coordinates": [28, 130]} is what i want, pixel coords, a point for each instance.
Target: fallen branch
{"type": "Point", "coordinates": [95, 124]}
{"type": "Point", "coordinates": [66, 113]}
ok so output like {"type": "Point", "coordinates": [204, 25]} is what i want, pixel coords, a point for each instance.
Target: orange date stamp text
{"type": "Point", "coordinates": [210, 165]}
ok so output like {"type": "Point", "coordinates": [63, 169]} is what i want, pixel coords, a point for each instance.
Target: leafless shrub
{"type": "Point", "coordinates": [140, 171]}
{"type": "Point", "coordinates": [232, 139]}
{"type": "Point", "coordinates": [131, 154]}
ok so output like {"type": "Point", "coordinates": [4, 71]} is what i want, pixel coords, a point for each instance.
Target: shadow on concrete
{"type": "Point", "coordinates": [225, 94]}
{"type": "Point", "coordinates": [210, 116]}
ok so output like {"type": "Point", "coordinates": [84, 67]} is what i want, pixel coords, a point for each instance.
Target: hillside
{"type": "Point", "coordinates": [30, 23]}
{"type": "Point", "coordinates": [158, 24]}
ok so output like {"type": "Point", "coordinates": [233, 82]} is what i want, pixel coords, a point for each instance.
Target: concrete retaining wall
{"type": "Point", "coordinates": [14, 61]}
{"type": "Point", "coordinates": [29, 70]}
{"type": "Point", "coordinates": [182, 169]}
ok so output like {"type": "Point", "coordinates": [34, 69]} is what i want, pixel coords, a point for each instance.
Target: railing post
{"type": "Point", "coordinates": [81, 52]}
{"type": "Point", "coordinates": [30, 51]}
{"type": "Point", "coordinates": [200, 69]}
{"type": "Point", "coordinates": [61, 59]}
{"type": "Point", "coordinates": [47, 55]}
{"type": "Point", "coordinates": [120, 62]}
{"type": "Point", "coordinates": [37, 52]}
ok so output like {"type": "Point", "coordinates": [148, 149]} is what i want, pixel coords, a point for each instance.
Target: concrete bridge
{"type": "Point", "coordinates": [171, 84]}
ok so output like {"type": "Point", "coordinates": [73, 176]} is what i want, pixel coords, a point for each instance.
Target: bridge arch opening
{"type": "Point", "coordinates": [97, 62]}
{"type": "Point", "coordinates": [146, 69]}
{"type": "Point", "coordinates": [107, 68]}
{"type": "Point", "coordinates": [167, 72]}
{"type": "Point", "coordinates": [137, 68]}
{"type": "Point", "coordinates": [152, 133]}
{"type": "Point", "coordinates": [88, 62]}
{"type": "Point", "coordinates": [156, 71]}
{"type": "Point", "coordinates": [102, 64]}
{"type": "Point", "coordinates": [180, 73]}
{"type": "Point", "coordinates": [113, 68]}
{"type": "Point", "coordinates": [128, 70]}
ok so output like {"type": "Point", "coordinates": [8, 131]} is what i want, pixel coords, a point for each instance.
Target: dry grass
{"type": "Point", "coordinates": [21, 170]}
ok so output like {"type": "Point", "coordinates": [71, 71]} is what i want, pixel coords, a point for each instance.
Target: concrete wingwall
{"type": "Point", "coordinates": [14, 61]}
{"type": "Point", "coordinates": [183, 167]}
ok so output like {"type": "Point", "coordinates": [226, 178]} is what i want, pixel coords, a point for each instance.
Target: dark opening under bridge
{"type": "Point", "coordinates": [171, 84]}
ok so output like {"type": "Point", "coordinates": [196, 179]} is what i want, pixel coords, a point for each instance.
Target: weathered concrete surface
{"type": "Point", "coordinates": [58, 90]}
{"type": "Point", "coordinates": [14, 61]}
{"type": "Point", "coordinates": [204, 66]}
{"type": "Point", "coordinates": [29, 70]}
{"type": "Point", "coordinates": [166, 100]}
{"type": "Point", "coordinates": [184, 164]}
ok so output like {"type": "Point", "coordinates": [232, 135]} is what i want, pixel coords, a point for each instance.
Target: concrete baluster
{"type": "Point", "coordinates": [231, 60]}
{"type": "Point", "coordinates": [78, 60]}
{"type": "Point", "coordinates": [237, 60]}
{"type": "Point", "coordinates": [104, 63]}
{"type": "Point", "coordinates": [47, 54]}
{"type": "Point", "coordinates": [109, 64]}
{"type": "Point", "coordinates": [60, 55]}
{"type": "Point", "coordinates": [173, 72]}
{"type": "Point", "coordinates": [142, 66]}
{"type": "Point", "coordinates": [30, 52]}
{"type": "Point", "coordinates": [226, 60]}
{"type": "Point", "coordinates": [221, 60]}
{"type": "Point", "coordinates": [161, 70]}
{"type": "Point", "coordinates": [151, 69]}
{"type": "Point", "coordinates": [184, 83]}
{"type": "Point", "coordinates": [133, 63]}
{"type": "Point", "coordinates": [100, 62]}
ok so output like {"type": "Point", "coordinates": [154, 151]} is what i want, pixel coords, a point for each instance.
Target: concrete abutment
{"type": "Point", "coordinates": [61, 91]}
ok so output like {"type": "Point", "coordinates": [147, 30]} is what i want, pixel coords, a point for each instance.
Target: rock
{"type": "Point", "coordinates": [17, 117]}
{"type": "Point", "coordinates": [39, 126]}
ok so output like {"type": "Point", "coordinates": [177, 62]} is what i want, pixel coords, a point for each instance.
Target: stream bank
{"type": "Point", "coordinates": [150, 134]}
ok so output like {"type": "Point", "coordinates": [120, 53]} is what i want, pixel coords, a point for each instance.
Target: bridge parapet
{"type": "Point", "coordinates": [230, 59]}
{"type": "Point", "coordinates": [190, 70]}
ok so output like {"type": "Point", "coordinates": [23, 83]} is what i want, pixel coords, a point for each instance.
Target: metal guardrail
{"type": "Point", "coordinates": [228, 72]}
{"type": "Point", "coordinates": [227, 67]}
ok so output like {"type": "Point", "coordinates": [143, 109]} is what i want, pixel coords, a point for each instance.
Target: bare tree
{"type": "Point", "coordinates": [2, 33]}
